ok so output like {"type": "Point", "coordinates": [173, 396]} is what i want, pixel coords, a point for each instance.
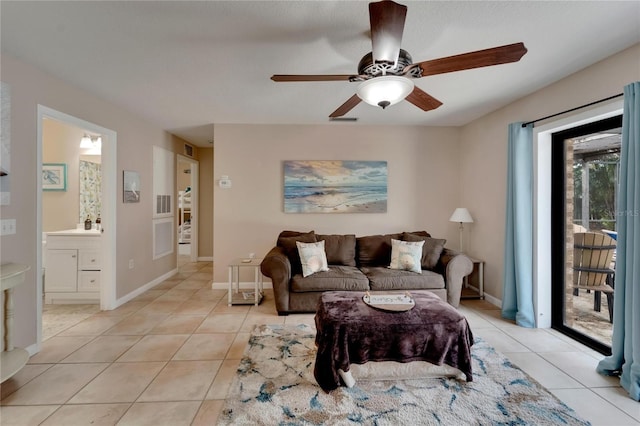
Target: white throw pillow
{"type": "Point", "coordinates": [406, 255]}
{"type": "Point", "coordinates": [312, 257]}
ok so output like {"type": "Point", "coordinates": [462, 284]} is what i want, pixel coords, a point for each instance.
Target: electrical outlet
{"type": "Point", "coordinates": [131, 264]}
{"type": "Point", "coordinates": [8, 226]}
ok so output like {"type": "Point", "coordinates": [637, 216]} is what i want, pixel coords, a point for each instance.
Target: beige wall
{"type": "Point", "coordinates": [205, 224]}
{"type": "Point", "coordinates": [61, 144]}
{"type": "Point", "coordinates": [30, 87]}
{"type": "Point", "coordinates": [484, 151]}
{"type": "Point", "coordinates": [423, 182]}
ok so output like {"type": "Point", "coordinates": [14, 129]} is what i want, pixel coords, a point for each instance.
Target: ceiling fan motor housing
{"type": "Point", "coordinates": [371, 68]}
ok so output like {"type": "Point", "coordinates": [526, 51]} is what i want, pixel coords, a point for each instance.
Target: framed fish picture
{"type": "Point", "coordinates": [54, 177]}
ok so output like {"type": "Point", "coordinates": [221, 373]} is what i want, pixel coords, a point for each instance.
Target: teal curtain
{"type": "Point", "coordinates": [625, 346]}
{"type": "Point", "coordinates": [517, 290]}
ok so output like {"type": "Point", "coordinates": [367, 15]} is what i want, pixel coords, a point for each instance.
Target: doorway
{"type": "Point", "coordinates": [75, 159]}
{"type": "Point", "coordinates": [187, 211]}
{"type": "Point", "coordinates": [584, 163]}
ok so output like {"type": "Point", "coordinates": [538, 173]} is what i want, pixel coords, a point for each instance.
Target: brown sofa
{"type": "Point", "coordinates": [360, 264]}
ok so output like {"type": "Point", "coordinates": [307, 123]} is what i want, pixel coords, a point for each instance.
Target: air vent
{"type": "Point", "coordinates": [163, 204]}
{"type": "Point", "coordinates": [188, 150]}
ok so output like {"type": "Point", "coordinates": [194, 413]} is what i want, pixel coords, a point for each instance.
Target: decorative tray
{"type": "Point", "coordinates": [396, 302]}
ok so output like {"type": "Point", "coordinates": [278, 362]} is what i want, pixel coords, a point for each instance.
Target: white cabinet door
{"type": "Point", "coordinates": [61, 273]}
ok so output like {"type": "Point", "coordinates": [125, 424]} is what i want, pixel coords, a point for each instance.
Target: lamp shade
{"type": "Point", "coordinates": [461, 215]}
{"type": "Point", "coordinates": [385, 90]}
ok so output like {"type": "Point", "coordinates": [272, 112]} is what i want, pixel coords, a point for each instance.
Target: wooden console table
{"type": "Point", "coordinates": [12, 359]}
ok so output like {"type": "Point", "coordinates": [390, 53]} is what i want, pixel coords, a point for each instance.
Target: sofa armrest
{"type": "Point", "coordinates": [455, 266]}
{"type": "Point", "coordinates": [276, 266]}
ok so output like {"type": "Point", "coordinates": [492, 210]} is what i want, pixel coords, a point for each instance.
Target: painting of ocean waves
{"type": "Point", "coordinates": [335, 186]}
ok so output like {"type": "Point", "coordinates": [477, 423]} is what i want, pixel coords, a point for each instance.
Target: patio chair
{"type": "Point", "coordinates": [592, 259]}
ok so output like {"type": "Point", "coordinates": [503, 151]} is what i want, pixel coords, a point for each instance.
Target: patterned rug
{"type": "Point", "coordinates": [274, 385]}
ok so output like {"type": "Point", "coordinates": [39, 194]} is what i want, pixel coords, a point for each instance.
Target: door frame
{"type": "Point", "coordinates": [108, 212]}
{"type": "Point", "coordinates": [195, 192]}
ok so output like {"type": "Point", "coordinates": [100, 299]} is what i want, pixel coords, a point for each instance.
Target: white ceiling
{"type": "Point", "coordinates": [188, 65]}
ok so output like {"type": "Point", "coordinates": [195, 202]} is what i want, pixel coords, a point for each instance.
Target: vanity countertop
{"type": "Point", "coordinates": [76, 232]}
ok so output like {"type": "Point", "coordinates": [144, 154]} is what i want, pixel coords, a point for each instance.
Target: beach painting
{"type": "Point", "coordinates": [335, 186]}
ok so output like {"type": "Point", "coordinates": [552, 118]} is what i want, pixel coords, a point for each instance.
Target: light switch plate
{"type": "Point", "coordinates": [7, 226]}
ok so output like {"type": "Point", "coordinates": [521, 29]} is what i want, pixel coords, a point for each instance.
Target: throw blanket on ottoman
{"type": "Point", "coordinates": [352, 332]}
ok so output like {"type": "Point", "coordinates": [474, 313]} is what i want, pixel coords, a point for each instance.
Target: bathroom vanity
{"type": "Point", "coordinates": [73, 266]}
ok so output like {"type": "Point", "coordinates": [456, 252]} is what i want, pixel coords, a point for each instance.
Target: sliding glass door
{"type": "Point", "coordinates": [583, 208]}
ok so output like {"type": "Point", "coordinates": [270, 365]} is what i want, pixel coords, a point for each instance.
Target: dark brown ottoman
{"type": "Point", "coordinates": [351, 332]}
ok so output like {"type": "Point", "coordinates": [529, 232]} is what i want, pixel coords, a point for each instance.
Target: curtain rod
{"type": "Point", "coordinates": [573, 109]}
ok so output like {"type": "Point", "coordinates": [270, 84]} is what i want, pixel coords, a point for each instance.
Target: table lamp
{"type": "Point", "coordinates": [461, 215]}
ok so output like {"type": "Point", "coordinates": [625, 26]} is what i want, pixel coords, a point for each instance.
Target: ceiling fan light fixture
{"type": "Point", "coordinates": [385, 90]}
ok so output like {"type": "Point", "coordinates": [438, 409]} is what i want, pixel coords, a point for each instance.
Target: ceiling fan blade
{"type": "Point", "coordinates": [423, 100]}
{"type": "Point", "coordinates": [477, 59]}
{"type": "Point", "coordinates": [320, 77]}
{"type": "Point", "coordinates": [346, 107]}
{"type": "Point", "coordinates": [387, 24]}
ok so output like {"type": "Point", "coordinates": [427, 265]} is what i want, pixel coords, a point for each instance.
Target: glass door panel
{"type": "Point", "coordinates": [585, 174]}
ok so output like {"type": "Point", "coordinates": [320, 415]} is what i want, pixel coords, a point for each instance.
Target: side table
{"type": "Point", "coordinates": [236, 297]}
{"type": "Point", "coordinates": [12, 358]}
{"type": "Point", "coordinates": [478, 270]}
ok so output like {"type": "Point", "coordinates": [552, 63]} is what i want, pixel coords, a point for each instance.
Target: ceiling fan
{"type": "Point", "coordinates": [385, 73]}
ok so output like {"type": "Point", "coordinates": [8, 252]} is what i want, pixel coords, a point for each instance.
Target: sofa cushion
{"type": "Point", "coordinates": [286, 233]}
{"type": "Point", "coordinates": [340, 249]}
{"type": "Point", "coordinates": [421, 233]}
{"type": "Point", "coordinates": [375, 250]}
{"type": "Point", "coordinates": [406, 255]}
{"type": "Point", "coordinates": [312, 257]}
{"type": "Point", "coordinates": [339, 278]}
{"type": "Point", "coordinates": [431, 250]}
{"type": "Point", "coordinates": [381, 278]}
{"type": "Point", "coordinates": [290, 248]}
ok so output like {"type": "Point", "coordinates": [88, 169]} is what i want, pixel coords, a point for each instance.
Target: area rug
{"type": "Point", "coordinates": [274, 385]}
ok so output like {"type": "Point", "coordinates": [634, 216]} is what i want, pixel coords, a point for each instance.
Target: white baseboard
{"type": "Point", "coordinates": [244, 284]}
{"type": "Point", "coordinates": [493, 300]}
{"type": "Point", "coordinates": [205, 259]}
{"type": "Point", "coordinates": [33, 349]}
{"type": "Point", "coordinates": [147, 286]}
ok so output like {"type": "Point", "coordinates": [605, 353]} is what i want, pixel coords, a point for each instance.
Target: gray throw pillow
{"type": "Point", "coordinates": [420, 233]}
{"type": "Point", "coordinates": [431, 250]}
{"type": "Point", "coordinates": [290, 248]}
{"type": "Point", "coordinates": [340, 249]}
{"type": "Point", "coordinates": [375, 250]}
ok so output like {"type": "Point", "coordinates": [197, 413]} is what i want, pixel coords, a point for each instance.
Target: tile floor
{"type": "Point", "coordinates": [168, 357]}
